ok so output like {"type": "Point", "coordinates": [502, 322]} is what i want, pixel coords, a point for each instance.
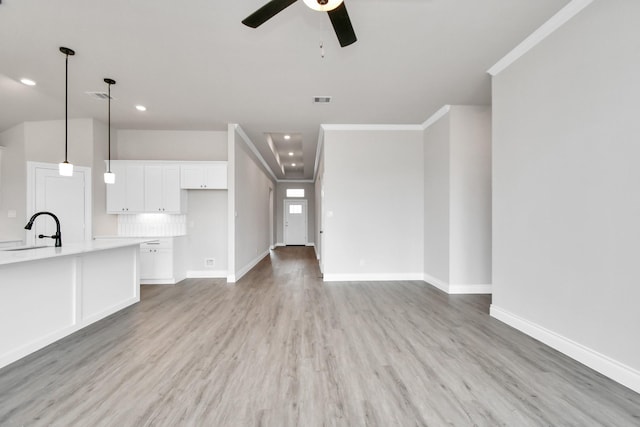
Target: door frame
{"type": "Point", "coordinates": [284, 219]}
{"type": "Point", "coordinates": [31, 195]}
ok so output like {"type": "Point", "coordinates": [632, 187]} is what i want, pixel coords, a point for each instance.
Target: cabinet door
{"type": "Point", "coordinates": [191, 177]}
{"type": "Point", "coordinates": [117, 192]}
{"type": "Point", "coordinates": [134, 181]}
{"type": "Point", "coordinates": [215, 176]}
{"type": "Point", "coordinates": [147, 263]}
{"type": "Point", "coordinates": [153, 188]}
{"type": "Point", "coordinates": [171, 189]}
{"type": "Point", "coordinates": [164, 263]}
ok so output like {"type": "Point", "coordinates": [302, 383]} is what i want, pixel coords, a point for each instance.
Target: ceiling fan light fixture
{"type": "Point", "coordinates": [323, 5]}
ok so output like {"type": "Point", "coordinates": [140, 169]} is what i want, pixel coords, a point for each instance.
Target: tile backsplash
{"type": "Point", "coordinates": [152, 225]}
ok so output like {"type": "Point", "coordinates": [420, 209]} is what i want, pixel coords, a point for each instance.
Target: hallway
{"type": "Point", "coordinates": [280, 348]}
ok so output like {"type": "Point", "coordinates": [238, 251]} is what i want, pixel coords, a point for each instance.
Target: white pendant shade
{"type": "Point", "coordinates": [331, 4]}
{"type": "Point", "coordinates": [109, 178]}
{"type": "Point", "coordinates": [65, 169]}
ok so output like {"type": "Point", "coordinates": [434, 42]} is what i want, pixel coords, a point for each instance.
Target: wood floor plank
{"type": "Point", "coordinates": [282, 348]}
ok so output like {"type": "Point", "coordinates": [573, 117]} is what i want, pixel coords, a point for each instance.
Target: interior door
{"type": "Point", "coordinates": [69, 198]}
{"type": "Point", "coordinates": [295, 222]}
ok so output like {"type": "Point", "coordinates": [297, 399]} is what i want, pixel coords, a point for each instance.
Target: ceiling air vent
{"type": "Point", "coordinates": [99, 95]}
{"type": "Point", "coordinates": [321, 99]}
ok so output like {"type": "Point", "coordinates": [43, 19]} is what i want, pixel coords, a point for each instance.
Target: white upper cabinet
{"type": "Point", "coordinates": [203, 176]}
{"type": "Point", "coordinates": [126, 195]}
{"type": "Point", "coordinates": [162, 192]}
{"type": "Point", "coordinates": [145, 187]}
{"type": "Point", "coordinates": [151, 186]}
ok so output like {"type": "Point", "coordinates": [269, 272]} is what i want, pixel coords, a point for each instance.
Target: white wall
{"type": "Point", "coordinates": [373, 204]}
{"type": "Point", "coordinates": [136, 144]}
{"type": "Point", "coordinates": [309, 196]}
{"type": "Point", "coordinates": [457, 200]}
{"type": "Point", "coordinates": [470, 198]}
{"type": "Point", "coordinates": [566, 220]}
{"type": "Point", "coordinates": [248, 206]}
{"type": "Point", "coordinates": [319, 191]}
{"type": "Point", "coordinates": [207, 232]}
{"type": "Point", "coordinates": [43, 141]}
{"type": "Point", "coordinates": [436, 202]}
{"type": "Point", "coordinates": [13, 193]}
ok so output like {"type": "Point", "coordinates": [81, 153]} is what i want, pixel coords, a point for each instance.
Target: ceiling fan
{"type": "Point", "coordinates": [335, 8]}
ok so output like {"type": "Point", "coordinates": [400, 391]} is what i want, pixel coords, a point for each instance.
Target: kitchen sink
{"type": "Point", "coordinates": [25, 248]}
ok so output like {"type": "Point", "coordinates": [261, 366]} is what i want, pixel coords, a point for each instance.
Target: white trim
{"type": "Point", "coordinates": [546, 29]}
{"type": "Point", "coordinates": [279, 244]}
{"type": "Point", "coordinates": [310, 244]}
{"type": "Point", "coordinates": [371, 277]}
{"type": "Point", "coordinates": [315, 249]}
{"type": "Point", "coordinates": [168, 281]}
{"type": "Point", "coordinates": [360, 127]}
{"type": "Point", "coordinates": [453, 289]}
{"type": "Point", "coordinates": [318, 151]}
{"type": "Point", "coordinates": [232, 278]}
{"type": "Point", "coordinates": [607, 366]}
{"type": "Point", "coordinates": [435, 282]}
{"type": "Point", "coordinates": [436, 116]}
{"type": "Point", "coordinates": [206, 274]}
{"type": "Point", "coordinates": [253, 149]}
{"type": "Point", "coordinates": [296, 180]}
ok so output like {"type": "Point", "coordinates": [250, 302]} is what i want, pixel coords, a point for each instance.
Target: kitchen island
{"type": "Point", "coordinates": [48, 293]}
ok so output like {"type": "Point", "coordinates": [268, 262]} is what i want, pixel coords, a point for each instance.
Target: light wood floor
{"type": "Point", "coordinates": [280, 348]}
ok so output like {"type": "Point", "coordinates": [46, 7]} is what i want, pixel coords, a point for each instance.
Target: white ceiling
{"type": "Point", "coordinates": [195, 66]}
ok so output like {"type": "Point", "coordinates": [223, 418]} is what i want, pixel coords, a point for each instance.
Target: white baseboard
{"type": "Point", "coordinates": [206, 274]}
{"type": "Point", "coordinates": [232, 278]}
{"type": "Point", "coordinates": [279, 244]}
{"type": "Point", "coordinates": [371, 277]}
{"type": "Point", "coordinates": [457, 288]}
{"type": "Point", "coordinates": [607, 366]}
{"type": "Point", "coordinates": [168, 281]}
{"type": "Point", "coordinates": [315, 249]}
{"type": "Point", "coordinates": [434, 281]}
{"type": "Point", "coordinates": [311, 244]}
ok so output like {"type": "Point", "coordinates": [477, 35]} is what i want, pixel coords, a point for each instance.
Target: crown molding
{"type": "Point", "coordinates": [555, 22]}
{"type": "Point", "coordinates": [361, 127]}
{"type": "Point", "coordinates": [436, 116]}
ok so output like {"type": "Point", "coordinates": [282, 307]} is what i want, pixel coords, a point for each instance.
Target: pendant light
{"type": "Point", "coordinates": [65, 168]}
{"type": "Point", "coordinates": [109, 177]}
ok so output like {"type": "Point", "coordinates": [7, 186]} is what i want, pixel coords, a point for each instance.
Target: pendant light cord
{"type": "Point", "coordinates": [66, 105]}
{"type": "Point", "coordinates": [109, 131]}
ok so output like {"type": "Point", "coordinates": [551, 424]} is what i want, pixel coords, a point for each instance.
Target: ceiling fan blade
{"type": "Point", "coordinates": [266, 12]}
{"type": "Point", "coordinates": [342, 25]}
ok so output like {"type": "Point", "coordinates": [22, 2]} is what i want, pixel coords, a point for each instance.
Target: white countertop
{"type": "Point", "coordinates": [13, 256]}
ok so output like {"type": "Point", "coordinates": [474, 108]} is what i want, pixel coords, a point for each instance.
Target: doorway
{"type": "Point", "coordinates": [68, 197]}
{"type": "Point", "coordinates": [295, 222]}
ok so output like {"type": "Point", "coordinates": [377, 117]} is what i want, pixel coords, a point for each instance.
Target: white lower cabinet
{"type": "Point", "coordinates": [162, 261]}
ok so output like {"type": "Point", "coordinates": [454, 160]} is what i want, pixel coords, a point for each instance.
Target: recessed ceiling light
{"type": "Point", "coordinates": [141, 108]}
{"type": "Point", "coordinates": [27, 82]}
{"type": "Point", "coordinates": [291, 153]}
{"type": "Point", "coordinates": [293, 164]}
{"type": "Point", "coordinates": [287, 137]}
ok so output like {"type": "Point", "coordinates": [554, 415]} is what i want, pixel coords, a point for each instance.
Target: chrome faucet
{"type": "Point", "coordinates": [57, 236]}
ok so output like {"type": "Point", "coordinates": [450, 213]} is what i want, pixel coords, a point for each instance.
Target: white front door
{"type": "Point", "coordinates": [295, 222]}
{"type": "Point", "coordinates": [69, 198]}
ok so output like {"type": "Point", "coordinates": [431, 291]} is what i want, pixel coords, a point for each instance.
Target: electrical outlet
{"type": "Point", "coordinates": [209, 262]}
